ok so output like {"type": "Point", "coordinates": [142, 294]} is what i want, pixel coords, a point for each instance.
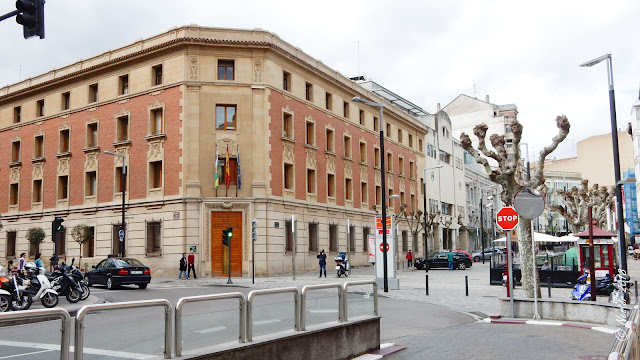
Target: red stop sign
{"type": "Point", "coordinates": [507, 218]}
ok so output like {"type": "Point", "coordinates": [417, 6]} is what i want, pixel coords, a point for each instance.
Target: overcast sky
{"type": "Point", "coordinates": [517, 52]}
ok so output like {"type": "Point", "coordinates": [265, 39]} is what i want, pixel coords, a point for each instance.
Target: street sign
{"type": "Point", "coordinates": [507, 218]}
{"type": "Point", "coordinates": [371, 240]}
{"type": "Point", "coordinates": [121, 234]}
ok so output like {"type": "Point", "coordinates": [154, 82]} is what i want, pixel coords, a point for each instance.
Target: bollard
{"type": "Point", "coordinates": [635, 285]}
{"type": "Point", "coordinates": [466, 285]}
{"type": "Point", "coordinates": [426, 281]}
{"type": "Point", "coordinates": [549, 285]}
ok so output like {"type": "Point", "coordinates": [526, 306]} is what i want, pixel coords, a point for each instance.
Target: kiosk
{"type": "Point", "coordinates": [604, 249]}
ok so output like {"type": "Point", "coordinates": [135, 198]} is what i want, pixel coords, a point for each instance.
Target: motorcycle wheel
{"type": "Point", "coordinates": [21, 302]}
{"type": "Point", "coordinates": [85, 291]}
{"type": "Point", "coordinates": [73, 296]}
{"type": "Point", "coordinates": [339, 273]}
{"type": "Point", "coordinates": [49, 300]}
{"type": "Point", "coordinates": [4, 303]}
{"type": "Point", "coordinates": [346, 273]}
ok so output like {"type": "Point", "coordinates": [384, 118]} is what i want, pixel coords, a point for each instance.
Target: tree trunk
{"type": "Point", "coordinates": [526, 259]}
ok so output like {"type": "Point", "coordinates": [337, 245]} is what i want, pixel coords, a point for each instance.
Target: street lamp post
{"type": "Point", "coordinates": [424, 190]}
{"type": "Point", "coordinates": [123, 187]}
{"type": "Point", "coordinates": [616, 159]}
{"type": "Point", "coordinates": [383, 189]}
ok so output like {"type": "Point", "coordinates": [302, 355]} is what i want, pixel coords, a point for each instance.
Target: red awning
{"type": "Point", "coordinates": [597, 233]}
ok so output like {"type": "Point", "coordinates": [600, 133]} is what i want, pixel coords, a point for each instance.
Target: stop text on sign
{"type": "Point", "coordinates": [507, 218]}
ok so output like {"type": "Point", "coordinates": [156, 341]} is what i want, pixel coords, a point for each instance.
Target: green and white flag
{"type": "Point", "coordinates": [217, 173]}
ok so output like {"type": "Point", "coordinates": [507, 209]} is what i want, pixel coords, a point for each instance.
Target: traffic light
{"type": "Point", "coordinates": [254, 229]}
{"type": "Point", "coordinates": [31, 17]}
{"type": "Point", "coordinates": [226, 236]}
{"type": "Point", "coordinates": [56, 225]}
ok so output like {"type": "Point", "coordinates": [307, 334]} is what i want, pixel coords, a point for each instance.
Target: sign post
{"type": "Point", "coordinates": [380, 251]}
{"type": "Point", "coordinates": [507, 219]}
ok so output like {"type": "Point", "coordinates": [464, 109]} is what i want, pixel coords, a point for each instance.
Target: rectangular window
{"type": "Point", "coordinates": [399, 135]}
{"type": "Point", "coordinates": [361, 117]}
{"type": "Point", "coordinates": [310, 133]}
{"type": "Point", "coordinates": [348, 190]}
{"type": "Point", "coordinates": [63, 145]}
{"type": "Point", "coordinates": [410, 140]}
{"type": "Point", "coordinates": [363, 193]}
{"type": "Point", "coordinates": [93, 93]}
{"type": "Point", "coordinates": [17, 113]}
{"type": "Point", "coordinates": [402, 198]}
{"type": "Point", "coordinates": [38, 151]}
{"type": "Point", "coordinates": [123, 85]}
{"type": "Point", "coordinates": [422, 186]}
{"type": "Point", "coordinates": [347, 147]}
{"type": "Point", "coordinates": [363, 152]}
{"type": "Point", "coordinates": [119, 181]}
{"type": "Point", "coordinates": [308, 92]}
{"type": "Point", "coordinates": [115, 238]}
{"type": "Point", "coordinates": [376, 157]}
{"type": "Point", "coordinates": [92, 135]}
{"type": "Point", "coordinates": [313, 237]}
{"type": "Point", "coordinates": [389, 162]}
{"type": "Point", "coordinates": [330, 140]}
{"type": "Point", "coordinates": [388, 133]}
{"type": "Point", "coordinates": [13, 194]}
{"type": "Point", "coordinates": [405, 240]}
{"type": "Point", "coordinates": [60, 246]}
{"type": "Point", "coordinates": [412, 170]}
{"type": "Point", "coordinates": [66, 100]}
{"type": "Point", "coordinates": [233, 171]}
{"type": "Point", "coordinates": [11, 244]}
{"type": "Point", "coordinates": [352, 239]}
{"type": "Point", "coordinates": [445, 157]}
{"type": "Point", "coordinates": [226, 69]}
{"type": "Point", "coordinates": [90, 183]}
{"type": "Point", "coordinates": [40, 107]}
{"type": "Point", "coordinates": [390, 201]}
{"type": "Point", "coordinates": [400, 166]}
{"type": "Point", "coordinates": [37, 191]}
{"type": "Point", "coordinates": [63, 187]}
{"type": "Point", "coordinates": [376, 124]}
{"type": "Point", "coordinates": [287, 125]}
{"type": "Point", "coordinates": [88, 248]}
{"type": "Point", "coordinates": [365, 238]}
{"type": "Point", "coordinates": [286, 81]}
{"type": "Point", "coordinates": [378, 196]}
{"type": "Point", "coordinates": [288, 176]}
{"type": "Point", "coordinates": [414, 204]}
{"type": "Point", "coordinates": [328, 101]}
{"type": "Point", "coordinates": [122, 128]}
{"type": "Point", "coordinates": [446, 208]}
{"type": "Point", "coordinates": [153, 237]}
{"type": "Point", "coordinates": [288, 237]}
{"type": "Point", "coordinates": [311, 181]}
{"type": "Point", "coordinates": [156, 125]}
{"type": "Point", "coordinates": [345, 109]}
{"type": "Point", "coordinates": [331, 185]}
{"type": "Point", "coordinates": [420, 145]}
{"type": "Point", "coordinates": [226, 117]}
{"type": "Point", "coordinates": [15, 151]}
{"type": "Point", "coordinates": [156, 75]}
{"type": "Point", "coordinates": [155, 174]}
{"type": "Point", "coordinates": [333, 238]}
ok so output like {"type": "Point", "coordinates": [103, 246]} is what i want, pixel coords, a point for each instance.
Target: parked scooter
{"type": "Point", "coordinates": [342, 264]}
{"type": "Point", "coordinates": [18, 298]}
{"type": "Point", "coordinates": [64, 283]}
{"type": "Point", "coordinates": [39, 287]}
{"type": "Point", "coordinates": [620, 293]}
{"type": "Point", "coordinates": [5, 296]}
{"type": "Point", "coordinates": [582, 289]}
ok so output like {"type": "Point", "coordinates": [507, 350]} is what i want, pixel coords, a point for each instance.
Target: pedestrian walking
{"type": "Point", "coordinates": [322, 261]}
{"type": "Point", "coordinates": [183, 267]}
{"type": "Point", "coordinates": [53, 261]}
{"type": "Point", "coordinates": [38, 261]}
{"type": "Point", "coordinates": [21, 265]}
{"type": "Point", "coordinates": [409, 258]}
{"type": "Point", "coordinates": [191, 262]}
{"type": "Point", "coordinates": [450, 258]}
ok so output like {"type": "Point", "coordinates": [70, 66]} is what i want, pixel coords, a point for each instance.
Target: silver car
{"type": "Point", "coordinates": [488, 252]}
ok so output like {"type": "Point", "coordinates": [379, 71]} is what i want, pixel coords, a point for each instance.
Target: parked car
{"type": "Point", "coordinates": [488, 252]}
{"type": "Point", "coordinates": [440, 259]}
{"type": "Point", "coordinates": [117, 271]}
{"type": "Point", "coordinates": [469, 255]}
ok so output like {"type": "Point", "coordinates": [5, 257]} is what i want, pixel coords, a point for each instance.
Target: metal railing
{"type": "Point", "coordinates": [254, 293]}
{"type": "Point", "coordinates": [627, 343]}
{"type": "Point", "coordinates": [45, 315]}
{"type": "Point", "coordinates": [303, 302]}
{"type": "Point", "coordinates": [189, 299]}
{"type": "Point", "coordinates": [345, 287]}
{"type": "Point", "coordinates": [168, 321]}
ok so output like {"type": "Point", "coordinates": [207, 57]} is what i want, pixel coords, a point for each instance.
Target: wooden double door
{"type": "Point", "coordinates": [220, 252]}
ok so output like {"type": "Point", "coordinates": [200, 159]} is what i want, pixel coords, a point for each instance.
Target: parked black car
{"type": "Point", "coordinates": [440, 259]}
{"type": "Point", "coordinates": [117, 271]}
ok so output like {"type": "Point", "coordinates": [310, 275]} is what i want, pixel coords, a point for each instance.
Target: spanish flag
{"type": "Point", "coordinates": [227, 175]}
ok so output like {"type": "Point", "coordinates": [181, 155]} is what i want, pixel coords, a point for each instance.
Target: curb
{"type": "Point", "coordinates": [385, 350]}
{"type": "Point", "coordinates": [496, 320]}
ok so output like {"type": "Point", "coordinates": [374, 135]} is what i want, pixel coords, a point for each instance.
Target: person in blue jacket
{"type": "Point", "coordinates": [322, 261]}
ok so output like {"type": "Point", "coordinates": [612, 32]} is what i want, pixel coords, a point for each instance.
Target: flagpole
{"type": "Point", "coordinates": [227, 173]}
{"type": "Point", "coordinates": [237, 166]}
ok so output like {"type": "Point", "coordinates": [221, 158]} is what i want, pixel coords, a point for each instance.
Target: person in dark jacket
{"type": "Point", "coordinates": [183, 267]}
{"type": "Point", "coordinates": [322, 261]}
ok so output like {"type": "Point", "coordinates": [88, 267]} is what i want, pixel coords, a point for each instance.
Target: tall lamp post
{"type": "Point", "coordinates": [424, 190]}
{"type": "Point", "coordinates": [382, 184]}
{"type": "Point", "coordinates": [123, 187]}
{"type": "Point", "coordinates": [616, 157]}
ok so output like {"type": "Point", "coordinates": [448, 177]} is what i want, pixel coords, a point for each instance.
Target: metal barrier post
{"type": "Point", "coordinates": [43, 315]}
{"type": "Point", "coordinates": [249, 307]}
{"type": "Point", "coordinates": [363, 282]}
{"type": "Point", "coordinates": [184, 300]}
{"type": "Point", "coordinates": [168, 320]}
{"type": "Point", "coordinates": [303, 302]}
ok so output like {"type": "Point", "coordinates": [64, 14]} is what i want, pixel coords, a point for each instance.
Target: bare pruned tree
{"type": "Point", "coordinates": [415, 222]}
{"type": "Point", "coordinates": [508, 174]}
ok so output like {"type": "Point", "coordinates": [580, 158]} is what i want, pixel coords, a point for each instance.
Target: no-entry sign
{"type": "Point", "coordinates": [507, 218]}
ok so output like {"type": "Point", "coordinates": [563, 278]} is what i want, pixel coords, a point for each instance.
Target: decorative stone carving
{"type": "Point", "coordinates": [156, 150]}
{"type": "Point", "coordinates": [193, 67]}
{"type": "Point", "coordinates": [331, 164]}
{"type": "Point", "coordinates": [223, 143]}
{"type": "Point", "coordinates": [37, 171]}
{"type": "Point", "coordinates": [15, 138]}
{"type": "Point", "coordinates": [123, 101]}
{"type": "Point", "coordinates": [39, 133]}
{"type": "Point", "coordinates": [15, 174]}
{"type": "Point", "coordinates": [63, 166]}
{"type": "Point", "coordinates": [122, 113]}
{"type": "Point", "coordinates": [92, 120]}
{"type": "Point", "coordinates": [311, 158]}
{"type": "Point", "coordinates": [287, 109]}
{"type": "Point", "coordinates": [378, 177]}
{"type": "Point", "coordinates": [402, 186]}
{"type": "Point", "coordinates": [90, 162]}
{"type": "Point", "coordinates": [156, 104]}
{"type": "Point", "coordinates": [348, 170]}
{"type": "Point", "coordinates": [157, 92]}
{"type": "Point", "coordinates": [64, 126]}
{"type": "Point", "coordinates": [390, 181]}
{"type": "Point", "coordinates": [364, 176]}
{"type": "Point", "coordinates": [288, 152]}
{"type": "Point", "coordinates": [257, 71]}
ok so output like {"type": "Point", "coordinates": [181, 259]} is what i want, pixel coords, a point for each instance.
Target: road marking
{"type": "Point", "coordinates": [545, 322]}
{"type": "Point", "coordinates": [50, 347]}
{"type": "Point", "coordinates": [263, 322]}
{"type": "Point", "coordinates": [19, 355]}
{"type": "Point", "coordinates": [604, 329]}
{"type": "Point", "coordinates": [210, 330]}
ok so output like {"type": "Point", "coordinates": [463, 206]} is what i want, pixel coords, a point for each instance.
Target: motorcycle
{"type": "Point", "coordinates": [342, 264]}
{"type": "Point", "coordinates": [620, 293]}
{"type": "Point", "coordinates": [64, 283]}
{"type": "Point", "coordinates": [18, 299]}
{"type": "Point", "coordinates": [39, 287]}
{"type": "Point", "coordinates": [582, 288]}
{"type": "Point", "coordinates": [5, 296]}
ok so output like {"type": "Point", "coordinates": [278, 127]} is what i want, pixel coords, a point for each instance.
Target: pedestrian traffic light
{"type": "Point", "coordinates": [254, 229]}
{"type": "Point", "coordinates": [56, 225]}
{"type": "Point", "coordinates": [31, 17]}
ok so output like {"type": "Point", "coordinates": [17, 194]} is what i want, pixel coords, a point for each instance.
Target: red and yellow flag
{"type": "Point", "coordinates": [227, 175]}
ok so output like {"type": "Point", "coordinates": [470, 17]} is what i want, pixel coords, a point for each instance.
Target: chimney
{"type": "Point", "coordinates": [438, 108]}
{"type": "Point", "coordinates": [486, 98]}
